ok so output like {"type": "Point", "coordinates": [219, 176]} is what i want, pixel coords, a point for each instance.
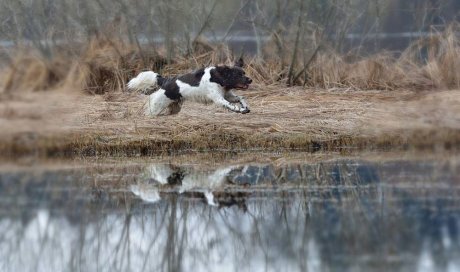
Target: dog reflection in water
{"type": "Point", "coordinates": [182, 179]}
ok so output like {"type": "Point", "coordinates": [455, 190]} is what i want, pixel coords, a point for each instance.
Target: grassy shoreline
{"type": "Point", "coordinates": [67, 124]}
{"type": "Point", "coordinates": [117, 145]}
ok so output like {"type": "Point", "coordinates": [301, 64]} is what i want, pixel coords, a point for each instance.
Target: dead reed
{"type": "Point", "coordinates": [429, 63]}
{"type": "Point", "coordinates": [104, 65]}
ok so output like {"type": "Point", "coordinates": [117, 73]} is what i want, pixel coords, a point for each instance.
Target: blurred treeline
{"type": "Point", "coordinates": [318, 43]}
{"type": "Point", "coordinates": [178, 23]}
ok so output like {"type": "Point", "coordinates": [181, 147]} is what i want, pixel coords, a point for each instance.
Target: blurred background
{"type": "Point", "coordinates": [246, 25]}
{"type": "Point", "coordinates": [290, 36]}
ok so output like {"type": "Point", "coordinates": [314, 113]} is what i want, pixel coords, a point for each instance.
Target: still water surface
{"type": "Point", "coordinates": [322, 215]}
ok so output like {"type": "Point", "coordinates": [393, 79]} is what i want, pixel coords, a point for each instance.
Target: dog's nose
{"type": "Point", "coordinates": [249, 80]}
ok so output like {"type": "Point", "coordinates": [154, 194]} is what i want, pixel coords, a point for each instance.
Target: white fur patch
{"type": "Point", "coordinates": [192, 93]}
{"type": "Point", "coordinates": [143, 81]}
{"type": "Point", "coordinates": [145, 192]}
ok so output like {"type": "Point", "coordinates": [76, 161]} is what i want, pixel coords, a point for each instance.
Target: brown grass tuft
{"type": "Point", "coordinates": [443, 63]}
{"type": "Point", "coordinates": [106, 65]}
{"type": "Point", "coordinates": [429, 63]}
{"type": "Point", "coordinates": [31, 72]}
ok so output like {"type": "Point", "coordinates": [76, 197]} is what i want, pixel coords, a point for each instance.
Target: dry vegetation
{"type": "Point", "coordinates": [105, 65]}
{"type": "Point", "coordinates": [377, 102]}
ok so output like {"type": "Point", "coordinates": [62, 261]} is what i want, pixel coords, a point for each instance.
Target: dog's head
{"type": "Point", "coordinates": [231, 77]}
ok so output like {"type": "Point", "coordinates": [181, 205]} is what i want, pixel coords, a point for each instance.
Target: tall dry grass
{"type": "Point", "coordinates": [105, 65]}
{"type": "Point", "coordinates": [429, 63]}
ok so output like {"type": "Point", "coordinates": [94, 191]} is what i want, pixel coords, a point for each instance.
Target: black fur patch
{"type": "Point", "coordinates": [161, 80]}
{"type": "Point", "coordinates": [230, 77]}
{"type": "Point", "coordinates": [239, 62]}
{"type": "Point", "coordinates": [192, 79]}
{"type": "Point", "coordinates": [176, 177]}
{"type": "Point", "coordinates": [171, 89]}
{"type": "Point", "coordinates": [216, 76]}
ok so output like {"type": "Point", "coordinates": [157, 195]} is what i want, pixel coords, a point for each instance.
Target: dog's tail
{"type": "Point", "coordinates": [143, 82]}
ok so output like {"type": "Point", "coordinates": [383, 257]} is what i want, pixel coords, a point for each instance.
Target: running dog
{"type": "Point", "coordinates": [205, 85]}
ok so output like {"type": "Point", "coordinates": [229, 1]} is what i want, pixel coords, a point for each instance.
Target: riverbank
{"type": "Point", "coordinates": [69, 123]}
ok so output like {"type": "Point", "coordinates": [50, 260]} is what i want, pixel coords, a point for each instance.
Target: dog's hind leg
{"type": "Point", "coordinates": [158, 104]}
{"type": "Point", "coordinates": [175, 107]}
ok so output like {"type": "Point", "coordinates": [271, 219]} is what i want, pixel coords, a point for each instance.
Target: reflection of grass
{"type": "Point", "coordinates": [119, 232]}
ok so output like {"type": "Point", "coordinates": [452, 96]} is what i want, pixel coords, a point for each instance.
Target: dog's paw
{"type": "Point", "coordinates": [245, 110]}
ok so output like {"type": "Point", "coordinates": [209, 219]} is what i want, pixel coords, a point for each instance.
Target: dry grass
{"type": "Point", "coordinates": [429, 63]}
{"type": "Point", "coordinates": [104, 65]}
{"type": "Point", "coordinates": [28, 71]}
{"type": "Point", "coordinates": [107, 65]}
{"type": "Point", "coordinates": [63, 123]}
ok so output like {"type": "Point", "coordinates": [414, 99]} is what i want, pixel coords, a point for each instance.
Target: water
{"type": "Point", "coordinates": [336, 214]}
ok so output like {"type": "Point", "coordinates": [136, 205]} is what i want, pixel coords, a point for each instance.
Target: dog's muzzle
{"type": "Point", "coordinates": [244, 85]}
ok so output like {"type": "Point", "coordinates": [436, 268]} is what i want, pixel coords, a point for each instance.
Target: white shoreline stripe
{"type": "Point", "coordinates": [143, 81]}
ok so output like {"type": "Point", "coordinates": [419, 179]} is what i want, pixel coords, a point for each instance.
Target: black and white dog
{"type": "Point", "coordinates": [205, 85]}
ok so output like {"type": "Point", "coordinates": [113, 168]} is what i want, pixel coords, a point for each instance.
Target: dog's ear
{"type": "Point", "coordinates": [239, 62]}
{"type": "Point", "coordinates": [218, 75]}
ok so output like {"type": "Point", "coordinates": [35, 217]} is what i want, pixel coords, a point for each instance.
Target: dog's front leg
{"type": "Point", "coordinates": [243, 103]}
{"type": "Point", "coordinates": [233, 98]}
{"type": "Point", "coordinates": [224, 103]}
{"type": "Point", "coordinates": [218, 99]}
